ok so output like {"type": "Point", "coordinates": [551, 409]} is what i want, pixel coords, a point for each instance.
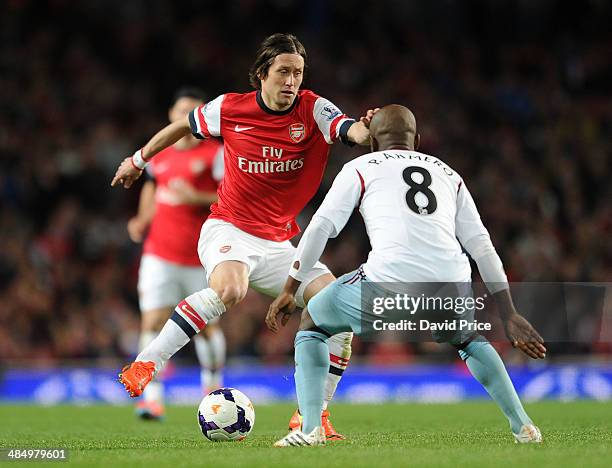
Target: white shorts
{"type": "Point", "coordinates": [164, 284]}
{"type": "Point", "coordinates": [268, 261]}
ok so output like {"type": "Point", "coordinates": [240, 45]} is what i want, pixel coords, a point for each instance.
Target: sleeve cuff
{"type": "Point", "coordinates": [343, 132]}
{"type": "Point", "coordinates": [194, 127]}
{"type": "Point", "coordinates": [297, 275]}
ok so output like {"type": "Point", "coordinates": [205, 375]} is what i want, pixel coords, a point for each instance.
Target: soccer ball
{"type": "Point", "coordinates": [226, 414]}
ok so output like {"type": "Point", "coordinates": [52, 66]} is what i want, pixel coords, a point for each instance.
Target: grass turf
{"type": "Point", "coordinates": [463, 434]}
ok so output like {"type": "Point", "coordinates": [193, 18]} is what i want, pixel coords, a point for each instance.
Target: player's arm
{"type": "Point", "coordinates": [335, 125]}
{"type": "Point", "coordinates": [359, 132]}
{"type": "Point", "coordinates": [202, 122]}
{"type": "Point", "coordinates": [476, 240]}
{"type": "Point", "coordinates": [327, 222]}
{"type": "Point", "coordinates": [138, 225]}
{"type": "Point", "coordinates": [131, 168]}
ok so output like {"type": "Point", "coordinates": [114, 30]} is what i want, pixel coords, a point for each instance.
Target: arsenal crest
{"type": "Point", "coordinates": [297, 132]}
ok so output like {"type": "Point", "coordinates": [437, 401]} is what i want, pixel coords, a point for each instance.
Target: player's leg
{"type": "Point", "coordinates": [327, 313]}
{"type": "Point", "coordinates": [269, 278]}
{"type": "Point", "coordinates": [228, 284]}
{"type": "Point", "coordinates": [339, 346]}
{"type": "Point", "coordinates": [311, 366]}
{"type": "Point", "coordinates": [311, 369]}
{"type": "Point", "coordinates": [487, 367]}
{"type": "Point", "coordinates": [210, 342]}
{"type": "Point", "coordinates": [210, 349]}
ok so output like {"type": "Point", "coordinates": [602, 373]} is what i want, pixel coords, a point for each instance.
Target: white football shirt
{"type": "Point", "coordinates": [417, 211]}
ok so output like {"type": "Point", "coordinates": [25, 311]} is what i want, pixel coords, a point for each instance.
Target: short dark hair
{"type": "Point", "coordinates": [188, 92]}
{"type": "Point", "coordinates": [276, 44]}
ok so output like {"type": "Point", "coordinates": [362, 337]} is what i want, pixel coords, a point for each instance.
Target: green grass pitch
{"type": "Point", "coordinates": [462, 434]}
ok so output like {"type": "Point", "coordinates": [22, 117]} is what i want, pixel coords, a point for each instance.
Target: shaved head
{"type": "Point", "coordinates": [393, 127]}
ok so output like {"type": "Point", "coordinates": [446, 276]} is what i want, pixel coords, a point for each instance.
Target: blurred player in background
{"type": "Point", "coordinates": [277, 141]}
{"type": "Point", "coordinates": [174, 202]}
{"type": "Point", "coordinates": [418, 214]}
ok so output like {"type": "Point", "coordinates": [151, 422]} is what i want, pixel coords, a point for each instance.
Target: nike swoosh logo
{"type": "Point", "coordinates": [238, 128]}
{"type": "Point", "coordinates": [195, 318]}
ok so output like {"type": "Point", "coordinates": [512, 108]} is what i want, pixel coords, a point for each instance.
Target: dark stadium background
{"type": "Point", "coordinates": [515, 95]}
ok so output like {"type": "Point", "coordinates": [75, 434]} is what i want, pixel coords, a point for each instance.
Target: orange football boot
{"type": "Point", "coordinates": [136, 376]}
{"type": "Point", "coordinates": [149, 410]}
{"type": "Point", "coordinates": [330, 432]}
{"type": "Point", "coordinates": [295, 422]}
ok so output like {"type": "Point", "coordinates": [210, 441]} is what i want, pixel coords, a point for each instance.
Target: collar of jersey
{"type": "Point", "coordinates": [267, 110]}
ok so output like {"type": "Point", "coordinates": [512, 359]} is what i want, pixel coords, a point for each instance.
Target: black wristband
{"type": "Point", "coordinates": [343, 132]}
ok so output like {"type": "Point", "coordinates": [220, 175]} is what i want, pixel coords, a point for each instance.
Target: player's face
{"type": "Point", "coordinates": [182, 107]}
{"type": "Point", "coordinates": [279, 88]}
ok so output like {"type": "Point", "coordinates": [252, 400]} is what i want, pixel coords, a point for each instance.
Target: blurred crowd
{"type": "Point", "coordinates": [516, 96]}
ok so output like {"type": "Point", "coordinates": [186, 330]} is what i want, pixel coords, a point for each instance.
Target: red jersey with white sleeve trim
{"type": "Point", "coordinates": [274, 161]}
{"type": "Point", "coordinates": [175, 228]}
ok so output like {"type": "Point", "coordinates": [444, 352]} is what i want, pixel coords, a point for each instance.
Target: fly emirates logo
{"type": "Point", "coordinates": [271, 163]}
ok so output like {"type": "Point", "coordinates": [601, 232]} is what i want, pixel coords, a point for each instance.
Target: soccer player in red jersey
{"type": "Point", "coordinates": [276, 143]}
{"type": "Point", "coordinates": [174, 202]}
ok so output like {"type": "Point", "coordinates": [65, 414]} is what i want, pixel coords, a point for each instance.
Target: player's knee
{"type": "Point", "coordinates": [231, 294]}
{"type": "Point", "coordinates": [230, 281]}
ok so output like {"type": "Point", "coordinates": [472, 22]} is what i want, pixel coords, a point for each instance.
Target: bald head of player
{"type": "Point", "coordinates": [393, 127]}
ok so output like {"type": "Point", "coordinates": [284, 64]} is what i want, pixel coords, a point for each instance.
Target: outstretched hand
{"type": "Point", "coordinates": [285, 304]}
{"type": "Point", "coordinates": [359, 132]}
{"type": "Point", "coordinates": [524, 337]}
{"type": "Point", "coordinates": [126, 174]}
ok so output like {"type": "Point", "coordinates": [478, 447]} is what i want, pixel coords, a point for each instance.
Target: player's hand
{"type": "Point", "coordinates": [184, 193]}
{"type": "Point", "coordinates": [366, 119]}
{"type": "Point", "coordinates": [524, 337]}
{"type": "Point", "coordinates": [137, 228]}
{"type": "Point", "coordinates": [285, 304]}
{"type": "Point", "coordinates": [359, 132]}
{"type": "Point", "coordinates": [126, 174]}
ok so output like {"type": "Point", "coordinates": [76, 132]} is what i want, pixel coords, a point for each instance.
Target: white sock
{"type": "Point", "coordinates": [189, 317]}
{"type": "Point", "coordinates": [339, 356]}
{"type": "Point", "coordinates": [155, 389]}
{"type": "Point", "coordinates": [211, 355]}
{"type": "Point", "coordinates": [171, 338]}
{"type": "Point", "coordinates": [145, 338]}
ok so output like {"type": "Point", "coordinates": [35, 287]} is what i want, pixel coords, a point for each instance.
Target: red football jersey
{"type": "Point", "coordinates": [274, 161]}
{"type": "Point", "coordinates": [175, 229]}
